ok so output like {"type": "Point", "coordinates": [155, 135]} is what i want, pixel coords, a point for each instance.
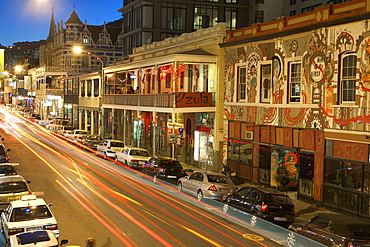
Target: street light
{"type": "Point", "coordinates": [79, 50]}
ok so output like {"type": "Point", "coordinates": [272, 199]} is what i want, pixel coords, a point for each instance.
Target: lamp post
{"type": "Point", "coordinates": [79, 50]}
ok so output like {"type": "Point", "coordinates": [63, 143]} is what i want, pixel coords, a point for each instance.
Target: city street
{"type": "Point", "coordinates": [96, 198]}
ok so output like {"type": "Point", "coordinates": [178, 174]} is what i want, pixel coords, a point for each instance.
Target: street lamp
{"type": "Point", "coordinates": [79, 50]}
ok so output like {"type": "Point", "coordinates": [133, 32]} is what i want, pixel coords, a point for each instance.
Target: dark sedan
{"type": "Point", "coordinates": [335, 230]}
{"type": "Point", "coordinates": [267, 204]}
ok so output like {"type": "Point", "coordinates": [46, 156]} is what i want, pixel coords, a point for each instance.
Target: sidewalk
{"type": "Point", "coordinates": [304, 210]}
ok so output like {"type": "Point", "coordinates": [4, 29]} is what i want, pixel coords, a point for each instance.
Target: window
{"type": "Point", "coordinates": [168, 80]}
{"type": "Point", "coordinates": [205, 16]}
{"type": "Point", "coordinates": [292, 2]}
{"type": "Point", "coordinates": [173, 16]}
{"type": "Point", "coordinates": [242, 81]}
{"type": "Point", "coordinates": [230, 18]}
{"type": "Point", "coordinates": [309, 8]}
{"type": "Point", "coordinates": [231, 1]}
{"type": "Point", "coordinates": [295, 82]}
{"type": "Point", "coordinates": [259, 16]}
{"type": "Point", "coordinates": [293, 12]}
{"type": "Point", "coordinates": [259, 1]}
{"type": "Point", "coordinates": [348, 78]}
{"type": "Point", "coordinates": [265, 83]}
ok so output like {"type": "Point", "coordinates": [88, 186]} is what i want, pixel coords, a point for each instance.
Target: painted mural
{"type": "Point", "coordinates": [319, 52]}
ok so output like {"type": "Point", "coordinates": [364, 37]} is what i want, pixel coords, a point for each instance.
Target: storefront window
{"type": "Point", "coordinates": [245, 151]}
{"type": "Point", "coordinates": [345, 174]}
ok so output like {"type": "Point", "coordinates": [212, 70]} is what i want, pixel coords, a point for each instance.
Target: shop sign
{"type": "Point", "coordinates": [193, 99]}
{"type": "Point", "coordinates": [203, 129]}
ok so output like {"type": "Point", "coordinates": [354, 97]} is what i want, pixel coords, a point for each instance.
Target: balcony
{"type": "Point", "coordinates": [177, 100]}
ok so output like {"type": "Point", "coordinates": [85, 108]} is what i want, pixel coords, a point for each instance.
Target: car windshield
{"type": "Point", "coordinates": [219, 179]}
{"type": "Point", "coordinates": [80, 132]}
{"type": "Point", "coordinates": [94, 138]}
{"type": "Point", "coordinates": [13, 187]}
{"type": "Point", "coordinates": [139, 153]}
{"type": "Point", "coordinates": [30, 213]}
{"type": "Point", "coordinates": [171, 164]}
{"type": "Point", "coordinates": [117, 144]}
{"type": "Point", "coordinates": [277, 199]}
{"type": "Point", "coordinates": [7, 170]}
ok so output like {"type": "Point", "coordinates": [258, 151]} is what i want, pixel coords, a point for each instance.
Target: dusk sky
{"type": "Point", "coordinates": [29, 20]}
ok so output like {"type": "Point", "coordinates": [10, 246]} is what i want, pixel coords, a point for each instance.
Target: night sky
{"type": "Point", "coordinates": [29, 20]}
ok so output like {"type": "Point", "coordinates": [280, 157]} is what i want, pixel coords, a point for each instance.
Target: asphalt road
{"type": "Point", "coordinates": [97, 198]}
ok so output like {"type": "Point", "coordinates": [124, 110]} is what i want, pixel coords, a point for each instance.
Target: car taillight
{"type": "Point", "coordinates": [51, 227]}
{"type": "Point", "coordinates": [265, 207]}
{"type": "Point", "coordinates": [293, 210]}
{"type": "Point", "coordinates": [7, 158]}
{"type": "Point", "coordinates": [108, 147]}
{"type": "Point", "coordinates": [15, 231]}
{"type": "Point", "coordinates": [160, 169]}
{"type": "Point", "coordinates": [349, 244]}
{"type": "Point", "coordinates": [135, 161]}
{"type": "Point", "coordinates": [212, 188]}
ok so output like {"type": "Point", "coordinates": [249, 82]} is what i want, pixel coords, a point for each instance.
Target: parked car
{"type": "Point", "coordinates": [109, 147]}
{"type": "Point", "coordinates": [54, 127]}
{"type": "Point", "coordinates": [163, 167]}
{"type": "Point", "coordinates": [41, 238]}
{"type": "Point", "coordinates": [90, 141]}
{"type": "Point", "coordinates": [13, 188]}
{"type": "Point", "coordinates": [4, 157]}
{"type": "Point", "coordinates": [265, 203]}
{"type": "Point", "coordinates": [34, 117]}
{"type": "Point", "coordinates": [335, 230]}
{"type": "Point", "coordinates": [66, 130]}
{"type": "Point", "coordinates": [77, 134]}
{"type": "Point", "coordinates": [8, 169]}
{"type": "Point", "coordinates": [28, 214]}
{"type": "Point", "coordinates": [133, 157]}
{"type": "Point", "coordinates": [206, 184]}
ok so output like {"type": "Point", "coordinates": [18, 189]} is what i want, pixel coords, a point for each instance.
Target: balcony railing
{"type": "Point", "coordinates": [161, 100]}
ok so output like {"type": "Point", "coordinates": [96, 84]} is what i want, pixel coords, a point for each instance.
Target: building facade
{"type": "Point", "coordinates": [165, 98]}
{"type": "Point", "coordinates": [296, 104]}
{"type": "Point", "coordinates": [59, 65]}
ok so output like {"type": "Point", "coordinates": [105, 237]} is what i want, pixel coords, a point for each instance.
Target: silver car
{"type": "Point", "coordinates": [205, 184]}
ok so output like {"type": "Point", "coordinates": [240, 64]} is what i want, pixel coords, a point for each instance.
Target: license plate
{"type": "Point", "coordinates": [280, 219]}
{"type": "Point", "coordinates": [169, 176]}
{"type": "Point", "coordinates": [13, 198]}
{"type": "Point", "coordinates": [36, 228]}
{"type": "Point", "coordinates": [141, 162]}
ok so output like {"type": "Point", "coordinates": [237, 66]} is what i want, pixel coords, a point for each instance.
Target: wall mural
{"type": "Point", "coordinates": [320, 54]}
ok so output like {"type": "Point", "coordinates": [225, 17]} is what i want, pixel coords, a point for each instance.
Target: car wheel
{"type": "Point", "coordinates": [199, 195]}
{"type": "Point", "coordinates": [116, 158]}
{"type": "Point", "coordinates": [225, 208]}
{"type": "Point", "coordinates": [155, 177]}
{"type": "Point", "coordinates": [179, 186]}
{"type": "Point", "coordinates": [105, 155]}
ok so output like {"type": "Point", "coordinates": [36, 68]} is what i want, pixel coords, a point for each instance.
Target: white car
{"type": "Point", "coordinates": [109, 147]}
{"type": "Point", "coordinates": [28, 214]}
{"type": "Point", "coordinates": [76, 134]}
{"type": "Point", "coordinates": [12, 188]}
{"type": "Point", "coordinates": [44, 238]}
{"type": "Point", "coordinates": [133, 156]}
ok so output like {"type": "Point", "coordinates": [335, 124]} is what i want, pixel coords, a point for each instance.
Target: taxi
{"type": "Point", "coordinates": [44, 238]}
{"type": "Point", "coordinates": [28, 214]}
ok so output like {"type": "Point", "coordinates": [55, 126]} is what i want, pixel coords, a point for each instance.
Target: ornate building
{"type": "Point", "coordinates": [101, 45]}
{"type": "Point", "coordinates": [297, 104]}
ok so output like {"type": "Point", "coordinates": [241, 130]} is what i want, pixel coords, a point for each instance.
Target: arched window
{"type": "Point", "coordinates": [347, 87]}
